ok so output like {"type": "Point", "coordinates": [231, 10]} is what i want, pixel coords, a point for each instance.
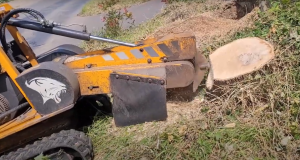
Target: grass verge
{"type": "Point", "coordinates": [94, 7]}
{"type": "Point", "coordinates": [5, 1]}
{"type": "Point", "coordinates": [175, 12]}
{"type": "Point", "coordinates": [130, 35]}
{"type": "Point", "coordinates": [255, 117]}
{"type": "Point", "coordinates": [185, 140]}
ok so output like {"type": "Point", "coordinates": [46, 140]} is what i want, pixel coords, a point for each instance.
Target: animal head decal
{"type": "Point", "coordinates": [48, 88]}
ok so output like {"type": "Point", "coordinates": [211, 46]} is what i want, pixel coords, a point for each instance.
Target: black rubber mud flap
{"type": "Point", "coordinates": [137, 100]}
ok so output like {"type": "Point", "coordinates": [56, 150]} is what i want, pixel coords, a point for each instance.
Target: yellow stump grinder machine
{"type": "Point", "coordinates": [44, 98]}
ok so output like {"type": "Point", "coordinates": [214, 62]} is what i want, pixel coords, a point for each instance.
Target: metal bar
{"type": "Point", "coordinates": [52, 30]}
{"type": "Point", "coordinates": [113, 41]}
{"type": "Point", "coordinates": [62, 32]}
{"type": "Point", "coordinates": [4, 117]}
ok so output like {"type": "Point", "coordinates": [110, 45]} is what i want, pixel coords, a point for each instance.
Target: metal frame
{"type": "Point", "coordinates": [93, 69]}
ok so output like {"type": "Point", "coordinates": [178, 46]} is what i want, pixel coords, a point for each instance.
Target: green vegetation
{"type": "Point", "coordinates": [4, 1]}
{"type": "Point", "coordinates": [94, 7]}
{"type": "Point", "coordinates": [255, 117]}
{"type": "Point", "coordinates": [129, 35]}
{"type": "Point", "coordinates": [171, 13]}
{"type": "Point", "coordinates": [187, 140]}
{"type": "Point", "coordinates": [41, 157]}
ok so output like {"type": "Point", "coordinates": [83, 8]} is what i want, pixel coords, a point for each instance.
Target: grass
{"type": "Point", "coordinates": [94, 7]}
{"type": "Point", "coordinates": [5, 1]}
{"type": "Point", "coordinates": [251, 118]}
{"type": "Point", "coordinates": [130, 35]}
{"type": "Point", "coordinates": [186, 140]}
{"type": "Point", "coordinates": [41, 157]}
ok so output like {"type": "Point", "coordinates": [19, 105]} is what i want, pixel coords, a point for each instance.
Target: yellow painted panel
{"type": "Point", "coordinates": [98, 79]}
{"type": "Point", "coordinates": [24, 46]}
{"type": "Point", "coordinates": [19, 124]}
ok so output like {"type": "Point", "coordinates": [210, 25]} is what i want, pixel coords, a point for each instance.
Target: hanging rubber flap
{"type": "Point", "coordinates": [137, 99]}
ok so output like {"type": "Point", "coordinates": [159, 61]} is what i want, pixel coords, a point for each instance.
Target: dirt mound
{"type": "Point", "coordinates": [211, 25]}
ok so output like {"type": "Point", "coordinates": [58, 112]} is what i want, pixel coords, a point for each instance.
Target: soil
{"type": "Point", "coordinates": [212, 25]}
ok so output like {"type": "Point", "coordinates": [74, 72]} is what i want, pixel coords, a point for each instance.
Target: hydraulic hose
{"type": "Point", "coordinates": [43, 26]}
{"type": "Point", "coordinates": [8, 16]}
{"type": "Point", "coordinates": [4, 21]}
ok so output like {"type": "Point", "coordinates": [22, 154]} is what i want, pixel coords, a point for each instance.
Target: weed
{"type": "Point", "coordinates": [128, 35]}
{"type": "Point", "coordinates": [185, 1]}
{"type": "Point", "coordinates": [108, 3]}
{"type": "Point", "coordinates": [94, 7]}
{"type": "Point", "coordinates": [112, 22]}
{"type": "Point", "coordinates": [41, 157]}
{"type": "Point", "coordinates": [4, 1]}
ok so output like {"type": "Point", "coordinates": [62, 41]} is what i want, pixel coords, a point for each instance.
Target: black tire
{"type": "Point", "coordinates": [68, 140]}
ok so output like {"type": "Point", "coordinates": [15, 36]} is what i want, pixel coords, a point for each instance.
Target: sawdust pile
{"type": "Point", "coordinates": [210, 26]}
{"type": "Point", "coordinates": [176, 113]}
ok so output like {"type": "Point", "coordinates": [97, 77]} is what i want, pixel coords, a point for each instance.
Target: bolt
{"type": "Point", "coordinates": [139, 79]}
{"type": "Point", "coordinates": [162, 82]}
{"type": "Point", "coordinates": [91, 87]}
{"type": "Point", "coordinates": [149, 60]}
{"type": "Point", "coordinates": [117, 76]}
{"type": "Point", "coordinates": [127, 77]}
{"type": "Point", "coordinates": [89, 65]}
{"type": "Point", "coordinates": [165, 59]}
{"type": "Point", "coordinates": [141, 50]}
{"type": "Point", "coordinates": [150, 80]}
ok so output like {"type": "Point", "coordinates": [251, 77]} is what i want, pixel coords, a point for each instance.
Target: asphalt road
{"type": "Point", "coordinates": [65, 12]}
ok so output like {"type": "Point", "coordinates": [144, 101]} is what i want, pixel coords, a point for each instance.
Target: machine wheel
{"type": "Point", "coordinates": [65, 145]}
{"type": "Point", "coordinates": [4, 104]}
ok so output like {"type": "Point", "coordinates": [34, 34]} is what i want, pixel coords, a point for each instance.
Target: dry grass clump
{"type": "Point", "coordinates": [209, 25]}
